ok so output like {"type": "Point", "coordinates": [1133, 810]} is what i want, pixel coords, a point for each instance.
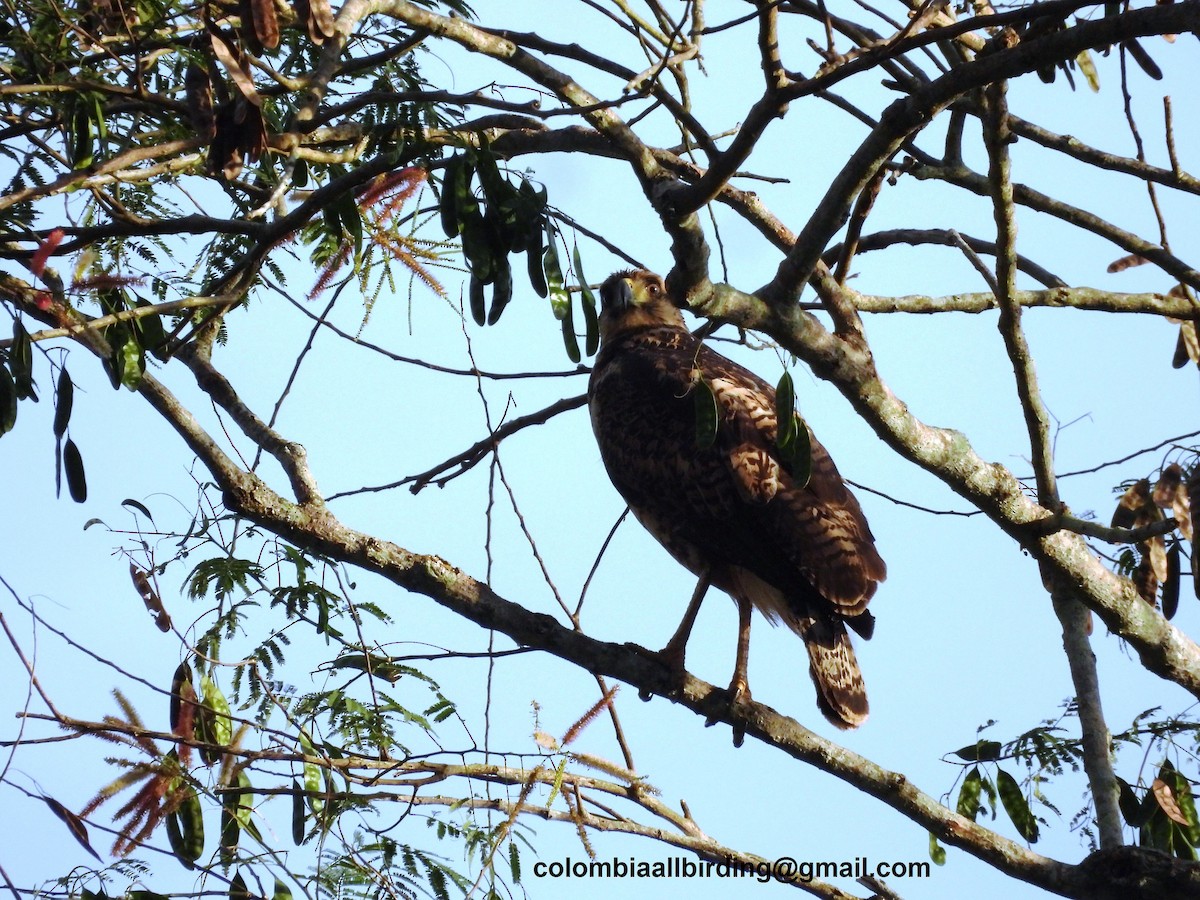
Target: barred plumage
{"type": "Point", "coordinates": [731, 512]}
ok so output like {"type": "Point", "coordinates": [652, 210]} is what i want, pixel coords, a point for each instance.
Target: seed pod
{"type": "Point", "coordinates": [200, 101]}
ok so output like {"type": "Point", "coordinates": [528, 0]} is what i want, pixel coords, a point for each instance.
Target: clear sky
{"type": "Point", "coordinates": [965, 632]}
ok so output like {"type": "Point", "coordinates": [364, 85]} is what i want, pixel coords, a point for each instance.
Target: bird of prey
{"type": "Point", "coordinates": [730, 509]}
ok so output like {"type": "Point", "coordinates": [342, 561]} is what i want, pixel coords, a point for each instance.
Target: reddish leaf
{"type": "Point", "coordinates": [37, 264]}
{"type": "Point", "coordinates": [1166, 801]}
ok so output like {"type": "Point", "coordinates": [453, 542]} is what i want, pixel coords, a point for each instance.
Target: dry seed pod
{"type": "Point", "coordinates": [1167, 486]}
{"type": "Point", "coordinates": [1170, 591]}
{"type": "Point", "coordinates": [1132, 502]}
{"type": "Point", "coordinates": [266, 23]}
{"type": "Point", "coordinates": [1146, 582]}
{"type": "Point", "coordinates": [318, 18]}
{"type": "Point", "coordinates": [1156, 550]}
{"type": "Point", "coordinates": [1187, 347]}
{"type": "Point", "coordinates": [1193, 498]}
{"type": "Point", "coordinates": [200, 101]}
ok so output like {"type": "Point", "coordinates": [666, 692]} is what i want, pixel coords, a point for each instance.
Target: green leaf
{"type": "Point", "coordinates": [351, 222]}
{"type": "Point", "coordinates": [175, 839]}
{"type": "Point", "coordinates": [1143, 59]}
{"type": "Point", "coordinates": [708, 414]}
{"type": "Point", "coordinates": [560, 300]}
{"type": "Point", "coordinates": [282, 891]}
{"type": "Point", "coordinates": [313, 783]}
{"type": "Point", "coordinates": [214, 701]}
{"type": "Point", "coordinates": [936, 851]}
{"type": "Point", "coordinates": [448, 208]}
{"type": "Point", "coordinates": [980, 751]}
{"type": "Point", "coordinates": [76, 478]}
{"type": "Point", "coordinates": [1013, 800]}
{"type": "Point", "coordinates": [591, 322]}
{"type": "Point", "coordinates": [968, 795]}
{"type": "Point", "coordinates": [1187, 805]}
{"type": "Point", "coordinates": [63, 400]}
{"type": "Point", "coordinates": [792, 440]}
{"type": "Point", "coordinates": [556, 785]}
{"type": "Point", "coordinates": [533, 249]}
{"type": "Point", "coordinates": [8, 402]}
{"type": "Point", "coordinates": [82, 137]}
{"type": "Point", "coordinates": [238, 889]}
{"type": "Point", "coordinates": [138, 506]}
{"type": "Point", "coordinates": [502, 289]}
{"type": "Point", "coordinates": [191, 820]}
{"type": "Point", "coordinates": [570, 342]}
{"type": "Point", "coordinates": [795, 451]}
{"type": "Point", "coordinates": [1131, 807]}
{"type": "Point", "coordinates": [20, 360]}
{"type": "Point", "coordinates": [298, 813]}
{"type": "Point", "coordinates": [149, 331]}
{"type": "Point", "coordinates": [477, 300]}
{"type": "Point", "coordinates": [514, 862]}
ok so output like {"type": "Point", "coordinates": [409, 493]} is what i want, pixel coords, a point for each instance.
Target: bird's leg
{"type": "Point", "coordinates": [677, 645]}
{"type": "Point", "coordinates": [673, 653]}
{"type": "Point", "coordinates": [739, 687]}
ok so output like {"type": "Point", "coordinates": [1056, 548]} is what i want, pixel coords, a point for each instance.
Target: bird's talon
{"type": "Point", "coordinates": [739, 694]}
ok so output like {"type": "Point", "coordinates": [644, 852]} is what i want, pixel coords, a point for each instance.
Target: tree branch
{"type": "Point", "coordinates": [906, 116]}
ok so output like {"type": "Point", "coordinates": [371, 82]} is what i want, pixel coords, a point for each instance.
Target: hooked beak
{"type": "Point", "coordinates": [616, 294]}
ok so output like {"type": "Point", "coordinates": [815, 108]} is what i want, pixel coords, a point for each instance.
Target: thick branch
{"type": "Point", "coordinates": [1097, 742]}
{"type": "Point", "coordinates": [1055, 298]}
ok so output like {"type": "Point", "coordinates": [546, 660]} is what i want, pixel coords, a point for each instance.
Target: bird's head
{"type": "Point", "coordinates": [635, 299]}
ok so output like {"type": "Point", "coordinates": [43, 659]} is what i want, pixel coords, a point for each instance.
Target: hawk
{"type": "Point", "coordinates": [730, 510]}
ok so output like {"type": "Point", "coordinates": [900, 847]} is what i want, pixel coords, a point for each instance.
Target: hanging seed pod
{"type": "Point", "coordinates": [318, 18]}
{"type": "Point", "coordinates": [1146, 581]}
{"type": "Point", "coordinates": [200, 101]}
{"type": "Point", "coordinates": [1131, 505]}
{"type": "Point", "coordinates": [266, 23]}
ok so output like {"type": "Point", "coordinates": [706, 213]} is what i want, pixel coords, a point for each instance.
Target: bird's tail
{"type": "Point", "coordinates": [841, 694]}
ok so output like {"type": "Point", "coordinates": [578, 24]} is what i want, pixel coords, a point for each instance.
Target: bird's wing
{"type": "Point", "coordinates": [814, 533]}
